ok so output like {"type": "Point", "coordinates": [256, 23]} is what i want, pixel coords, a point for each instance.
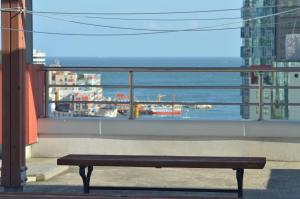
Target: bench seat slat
{"type": "Point", "coordinates": [163, 161]}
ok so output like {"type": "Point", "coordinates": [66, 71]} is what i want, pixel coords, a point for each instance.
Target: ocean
{"type": "Point", "coordinates": [172, 79]}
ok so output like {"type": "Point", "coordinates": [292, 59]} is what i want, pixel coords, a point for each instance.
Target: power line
{"type": "Point", "coordinates": [138, 13]}
{"type": "Point", "coordinates": [112, 35]}
{"type": "Point", "coordinates": [158, 19]}
{"type": "Point", "coordinates": [149, 13]}
{"type": "Point", "coordinates": [211, 28]}
{"type": "Point", "coordinates": [130, 34]}
{"type": "Point", "coordinates": [160, 13]}
{"type": "Point", "coordinates": [163, 19]}
{"type": "Point", "coordinates": [176, 19]}
{"type": "Point", "coordinates": [163, 30]}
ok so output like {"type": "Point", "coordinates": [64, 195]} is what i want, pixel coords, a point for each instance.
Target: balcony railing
{"type": "Point", "coordinates": [132, 103]}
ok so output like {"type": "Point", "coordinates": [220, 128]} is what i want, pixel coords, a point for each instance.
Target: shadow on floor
{"type": "Point", "coordinates": [282, 183]}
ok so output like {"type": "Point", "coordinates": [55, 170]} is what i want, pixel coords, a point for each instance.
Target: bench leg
{"type": "Point", "coordinates": [86, 177]}
{"type": "Point", "coordinates": [240, 177]}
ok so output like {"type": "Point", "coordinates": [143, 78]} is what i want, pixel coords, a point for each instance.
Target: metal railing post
{"type": "Point", "coordinates": [261, 96]}
{"type": "Point", "coordinates": [131, 95]}
{"type": "Point", "coordinates": [46, 93]}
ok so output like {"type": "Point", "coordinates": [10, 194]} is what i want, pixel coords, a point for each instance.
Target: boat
{"type": "Point", "coordinates": [166, 110]}
{"type": "Point", "coordinates": [110, 113]}
{"type": "Point", "coordinates": [123, 109]}
{"type": "Point", "coordinates": [203, 106]}
{"type": "Point", "coordinates": [106, 111]}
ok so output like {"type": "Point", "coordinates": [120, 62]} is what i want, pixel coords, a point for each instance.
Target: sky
{"type": "Point", "coordinates": [184, 44]}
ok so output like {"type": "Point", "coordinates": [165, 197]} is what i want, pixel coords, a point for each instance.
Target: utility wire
{"type": "Point", "coordinates": [163, 19]}
{"type": "Point", "coordinates": [112, 35]}
{"type": "Point", "coordinates": [151, 33]}
{"type": "Point", "coordinates": [137, 13]}
{"type": "Point", "coordinates": [168, 19]}
{"type": "Point", "coordinates": [160, 13]}
{"type": "Point", "coordinates": [164, 30]}
{"type": "Point", "coordinates": [157, 19]}
{"type": "Point", "coordinates": [129, 34]}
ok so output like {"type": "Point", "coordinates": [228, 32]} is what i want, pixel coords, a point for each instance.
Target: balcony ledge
{"type": "Point", "coordinates": [276, 140]}
{"type": "Point", "coordinates": [87, 128]}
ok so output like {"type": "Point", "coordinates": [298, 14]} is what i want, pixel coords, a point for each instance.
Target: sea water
{"type": "Point", "coordinates": [172, 79]}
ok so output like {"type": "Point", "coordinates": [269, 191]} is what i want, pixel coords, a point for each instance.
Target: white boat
{"type": "Point", "coordinates": [109, 112]}
{"type": "Point", "coordinates": [203, 106]}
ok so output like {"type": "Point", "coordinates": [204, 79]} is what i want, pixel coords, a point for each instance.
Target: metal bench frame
{"type": "Point", "coordinates": [87, 162]}
{"type": "Point", "coordinates": [86, 172]}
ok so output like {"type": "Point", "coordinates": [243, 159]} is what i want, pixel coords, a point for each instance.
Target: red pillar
{"type": "Point", "coordinates": [13, 96]}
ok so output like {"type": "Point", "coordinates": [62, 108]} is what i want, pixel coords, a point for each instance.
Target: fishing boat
{"type": "Point", "coordinates": [122, 108]}
{"type": "Point", "coordinates": [165, 110]}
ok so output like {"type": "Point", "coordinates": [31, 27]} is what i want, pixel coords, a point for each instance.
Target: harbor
{"type": "Point", "coordinates": [100, 87]}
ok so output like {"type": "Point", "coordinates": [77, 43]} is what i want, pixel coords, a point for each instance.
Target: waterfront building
{"type": "Point", "coordinates": [264, 43]}
{"type": "Point", "coordinates": [75, 94]}
{"type": "Point", "coordinates": [71, 78]}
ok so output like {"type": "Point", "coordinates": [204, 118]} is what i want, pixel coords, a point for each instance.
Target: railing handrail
{"type": "Point", "coordinates": [131, 85]}
{"type": "Point", "coordinates": [166, 103]}
{"type": "Point", "coordinates": [228, 87]}
{"type": "Point", "coordinates": [170, 69]}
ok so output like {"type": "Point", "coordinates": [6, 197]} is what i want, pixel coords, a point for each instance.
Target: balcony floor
{"type": "Point", "coordinates": [277, 180]}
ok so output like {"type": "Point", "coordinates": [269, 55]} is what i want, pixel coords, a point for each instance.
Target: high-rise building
{"type": "Point", "coordinates": [264, 43]}
{"type": "Point", "coordinates": [258, 42]}
{"type": "Point", "coordinates": [286, 24]}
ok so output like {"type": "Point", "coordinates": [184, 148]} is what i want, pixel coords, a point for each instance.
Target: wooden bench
{"type": "Point", "coordinates": [87, 162]}
{"type": "Point", "coordinates": [72, 196]}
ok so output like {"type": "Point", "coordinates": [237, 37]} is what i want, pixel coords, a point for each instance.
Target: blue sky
{"type": "Point", "coordinates": [185, 44]}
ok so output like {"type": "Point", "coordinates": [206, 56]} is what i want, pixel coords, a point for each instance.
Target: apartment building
{"type": "Point", "coordinates": [264, 44]}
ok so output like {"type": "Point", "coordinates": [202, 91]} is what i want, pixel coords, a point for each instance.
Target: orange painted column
{"type": "Point", "coordinates": [34, 101]}
{"type": "Point", "coordinates": [13, 172]}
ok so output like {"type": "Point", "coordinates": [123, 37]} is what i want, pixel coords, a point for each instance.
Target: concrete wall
{"type": "Point", "coordinates": [275, 140]}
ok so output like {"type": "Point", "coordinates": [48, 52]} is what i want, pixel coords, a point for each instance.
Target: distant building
{"type": "Point", "coordinates": [88, 89]}
{"type": "Point", "coordinates": [39, 57]}
{"type": "Point", "coordinates": [264, 44]}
